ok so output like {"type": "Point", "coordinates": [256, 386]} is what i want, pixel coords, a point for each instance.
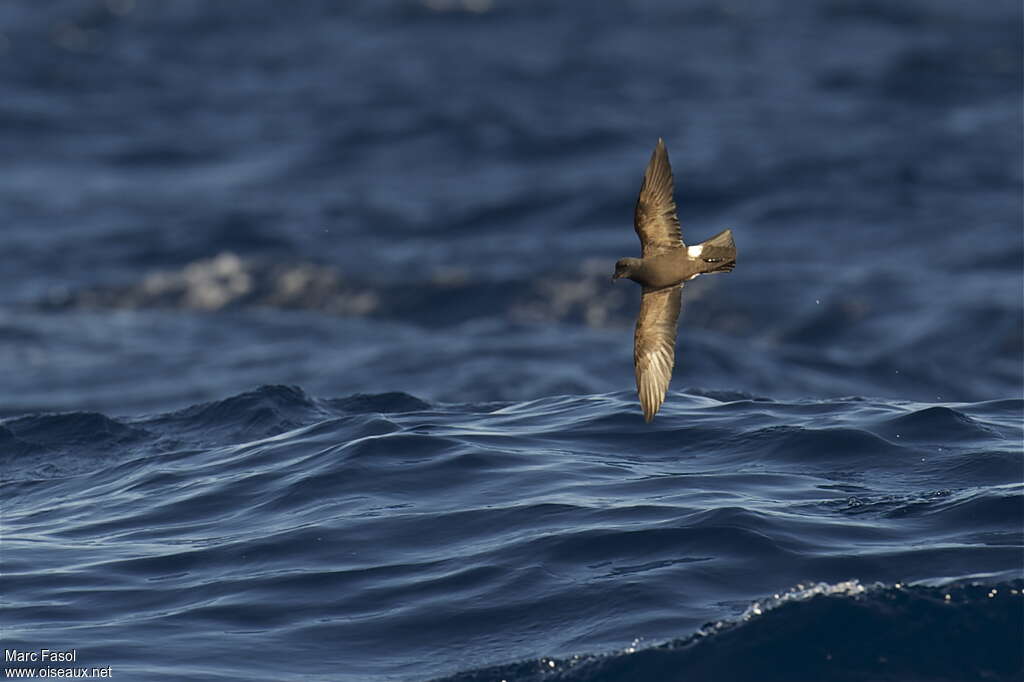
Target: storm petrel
{"type": "Point", "coordinates": [665, 264]}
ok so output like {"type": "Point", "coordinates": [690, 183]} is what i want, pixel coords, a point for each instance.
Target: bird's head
{"type": "Point", "coordinates": [625, 267]}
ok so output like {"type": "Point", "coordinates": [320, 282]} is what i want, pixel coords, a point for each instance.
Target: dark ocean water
{"type": "Point", "coordinates": [310, 367]}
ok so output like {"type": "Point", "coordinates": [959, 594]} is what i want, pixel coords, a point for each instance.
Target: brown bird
{"type": "Point", "coordinates": [665, 264]}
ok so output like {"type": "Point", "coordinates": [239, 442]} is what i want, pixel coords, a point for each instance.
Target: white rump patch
{"type": "Point", "coordinates": [695, 251]}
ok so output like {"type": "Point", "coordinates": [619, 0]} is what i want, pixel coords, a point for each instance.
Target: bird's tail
{"type": "Point", "coordinates": [719, 253]}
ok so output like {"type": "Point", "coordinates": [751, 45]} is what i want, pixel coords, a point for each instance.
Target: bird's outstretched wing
{"type": "Point", "coordinates": [654, 217]}
{"type": "Point", "coordinates": [654, 346]}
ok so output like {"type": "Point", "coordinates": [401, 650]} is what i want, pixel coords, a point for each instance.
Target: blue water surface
{"type": "Point", "coordinates": [311, 368]}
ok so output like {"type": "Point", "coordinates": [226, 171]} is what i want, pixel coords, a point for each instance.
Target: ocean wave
{"type": "Point", "coordinates": [843, 631]}
{"type": "Point", "coordinates": [277, 514]}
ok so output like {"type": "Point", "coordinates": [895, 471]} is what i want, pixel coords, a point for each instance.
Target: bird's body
{"type": "Point", "coordinates": [666, 263]}
{"type": "Point", "coordinates": [681, 264]}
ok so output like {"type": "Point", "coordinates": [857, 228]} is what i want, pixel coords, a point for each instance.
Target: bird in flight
{"type": "Point", "coordinates": [665, 264]}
